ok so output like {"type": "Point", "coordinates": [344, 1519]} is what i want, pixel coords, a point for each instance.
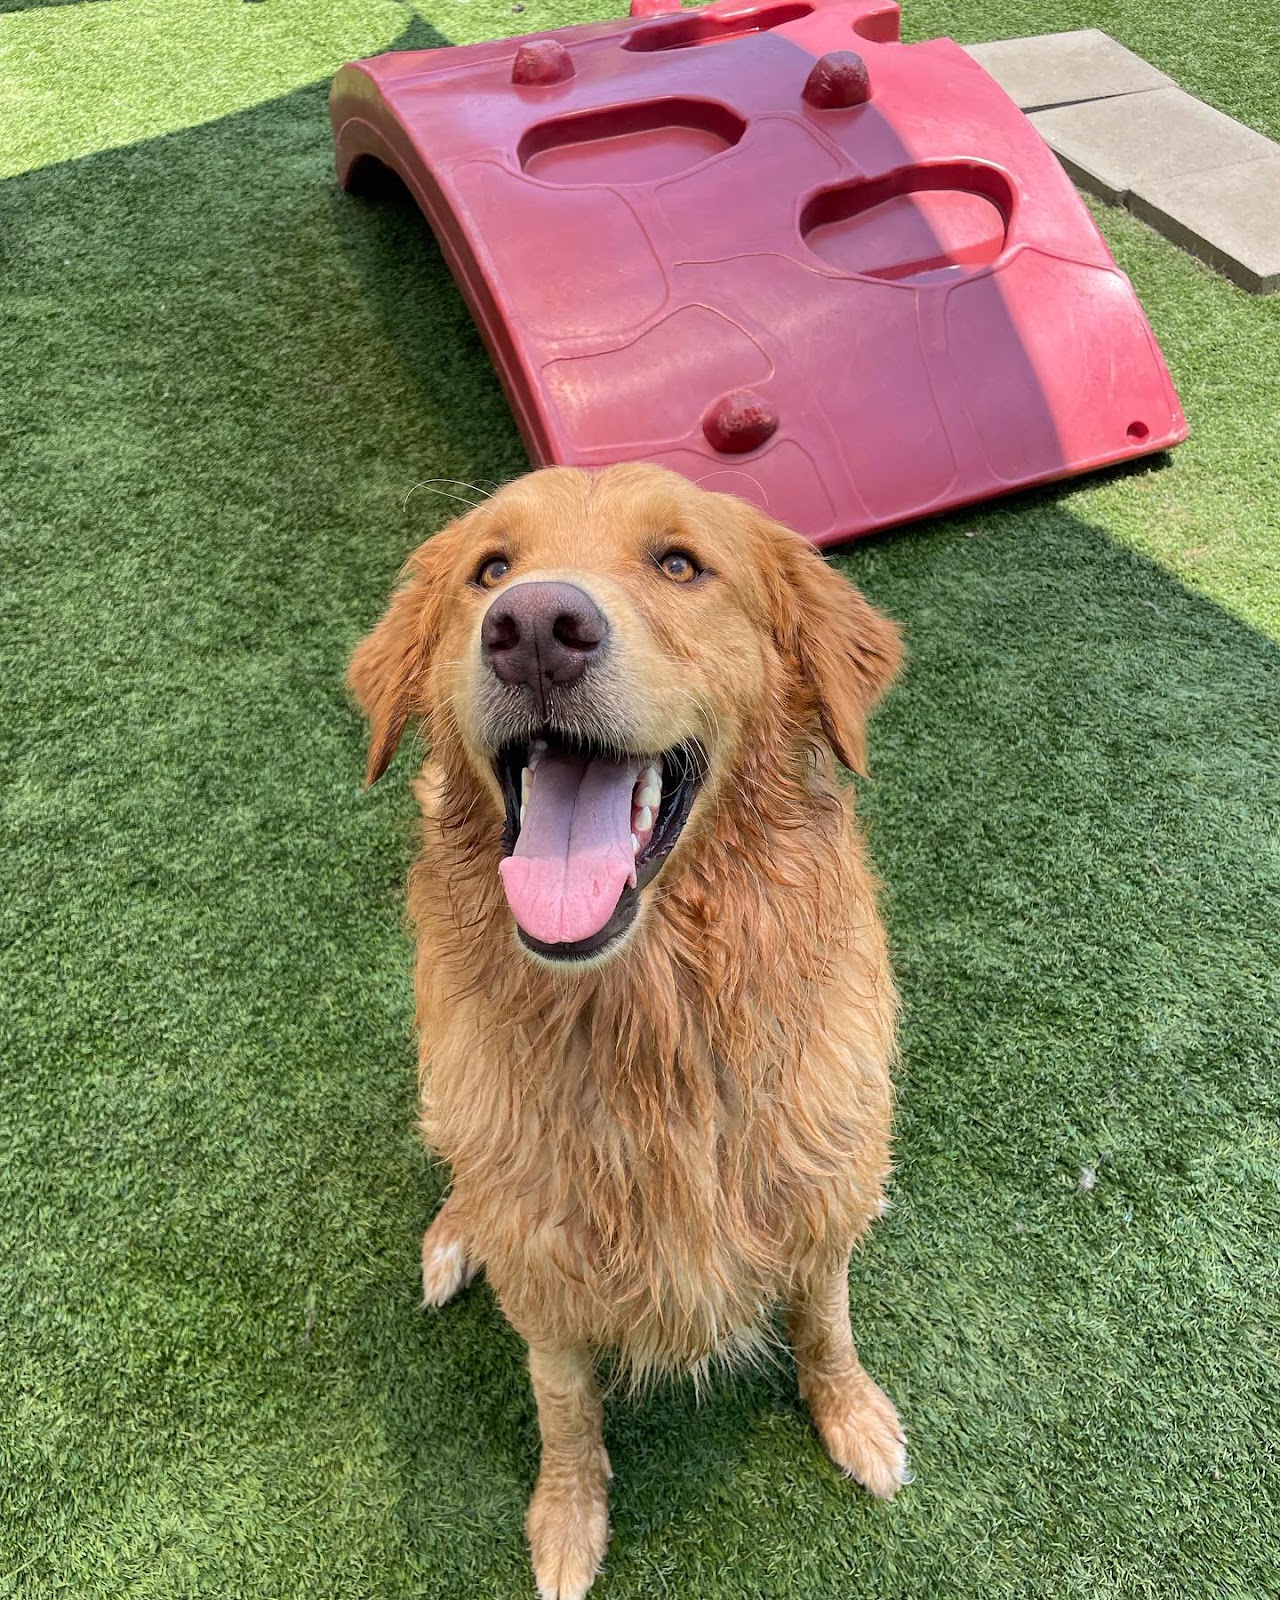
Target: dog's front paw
{"type": "Point", "coordinates": [863, 1436]}
{"type": "Point", "coordinates": [447, 1266]}
{"type": "Point", "coordinates": [568, 1531]}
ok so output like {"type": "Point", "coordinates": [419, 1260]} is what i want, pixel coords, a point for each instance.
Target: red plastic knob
{"type": "Point", "coordinates": [739, 421]}
{"type": "Point", "coordinates": [838, 79]}
{"type": "Point", "coordinates": [541, 61]}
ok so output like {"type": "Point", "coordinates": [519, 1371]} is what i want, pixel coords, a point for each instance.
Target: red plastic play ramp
{"type": "Point", "coordinates": [774, 249]}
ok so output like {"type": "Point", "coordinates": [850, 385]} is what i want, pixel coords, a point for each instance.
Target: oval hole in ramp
{"type": "Point", "coordinates": [929, 224]}
{"type": "Point", "coordinates": [630, 143]}
{"type": "Point", "coordinates": [704, 28]}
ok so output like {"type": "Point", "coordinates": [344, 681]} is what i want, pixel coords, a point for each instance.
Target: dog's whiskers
{"type": "Point", "coordinates": [737, 472]}
{"type": "Point", "coordinates": [431, 484]}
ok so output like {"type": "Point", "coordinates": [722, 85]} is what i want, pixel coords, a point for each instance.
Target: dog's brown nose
{"type": "Point", "coordinates": [542, 634]}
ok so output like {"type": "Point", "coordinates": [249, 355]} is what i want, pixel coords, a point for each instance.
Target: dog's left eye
{"type": "Point", "coordinates": [679, 566]}
{"type": "Point", "coordinates": [492, 572]}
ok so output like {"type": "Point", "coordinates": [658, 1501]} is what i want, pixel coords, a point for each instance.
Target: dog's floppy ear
{"type": "Point", "coordinates": [843, 649]}
{"type": "Point", "coordinates": [388, 669]}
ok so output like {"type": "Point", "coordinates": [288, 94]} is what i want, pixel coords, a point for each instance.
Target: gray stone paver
{"type": "Point", "coordinates": [1228, 216]}
{"type": "Point", "coordinates": [1118, 145]}
{"type": "Point", "coordinates": [1125, 131]}
{"type": "Point", "coordinates": [1055, 69]}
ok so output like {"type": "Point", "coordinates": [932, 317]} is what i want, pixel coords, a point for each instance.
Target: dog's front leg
{"type": "Point", "coordinates": [568, 1523]}
{"type": "Point", "coordinates": [855, 1417]}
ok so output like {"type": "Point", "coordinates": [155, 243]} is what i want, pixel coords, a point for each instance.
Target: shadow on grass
{"type": "Point", "coordinates": [8, 7]}
{"type": "Point", "coordinates": [223, 378]}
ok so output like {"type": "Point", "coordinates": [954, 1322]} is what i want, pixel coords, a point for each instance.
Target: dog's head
{"type": "Point", "coordinates": [604, 656]}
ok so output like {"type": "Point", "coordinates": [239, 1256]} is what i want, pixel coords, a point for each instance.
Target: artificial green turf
{"type": "Point", "coordinates": [219, 381]}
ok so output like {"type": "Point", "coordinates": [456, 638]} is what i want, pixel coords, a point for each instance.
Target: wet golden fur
{"type": "Point", "coordinates": [650, 1150]}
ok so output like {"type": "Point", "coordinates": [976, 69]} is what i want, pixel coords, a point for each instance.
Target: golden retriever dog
{"type": "Point", "coordinates": [655, 1005]}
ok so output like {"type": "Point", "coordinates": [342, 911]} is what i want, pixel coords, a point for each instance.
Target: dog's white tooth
{"type": "Point", "coordinates": [651, 791]}
{"type": "Point", "coordinates": [635, 845]}
{"type": "Point", "coordinates": [526, 782]}
{"type": "Point", "coordinates": [522, 812]}
{"type": "Point", "coordinates": [643, 819]}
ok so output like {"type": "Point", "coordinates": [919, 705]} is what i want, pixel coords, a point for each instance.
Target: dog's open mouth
{"type": "Point", "coordinates": [586, 829]}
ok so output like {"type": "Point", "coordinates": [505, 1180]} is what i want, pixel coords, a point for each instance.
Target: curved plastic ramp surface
{"type": "Point", "coordinates": [770, 247]}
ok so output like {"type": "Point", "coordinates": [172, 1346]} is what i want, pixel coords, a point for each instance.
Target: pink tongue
{"type": "Point", "coordinates": [573, 857]}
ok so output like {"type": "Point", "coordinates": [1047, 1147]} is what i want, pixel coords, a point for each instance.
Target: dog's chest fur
{"type": "Point", "coordinates": [645, 1159]}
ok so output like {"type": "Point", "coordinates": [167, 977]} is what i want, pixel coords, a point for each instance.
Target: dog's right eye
{"type": "Point", "coordinates": [491, 572]}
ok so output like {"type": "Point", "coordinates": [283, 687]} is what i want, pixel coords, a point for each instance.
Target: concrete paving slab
{"type": "Point", "coordinates": [1057, 69]}
{"type": "Point", "coordinates": [1228, 216]}
{"type": "Point", "coordinates": [1134, 141]}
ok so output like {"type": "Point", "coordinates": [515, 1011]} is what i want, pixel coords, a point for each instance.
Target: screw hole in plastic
{"type": "Point", "coordinates": [1137, 432]}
